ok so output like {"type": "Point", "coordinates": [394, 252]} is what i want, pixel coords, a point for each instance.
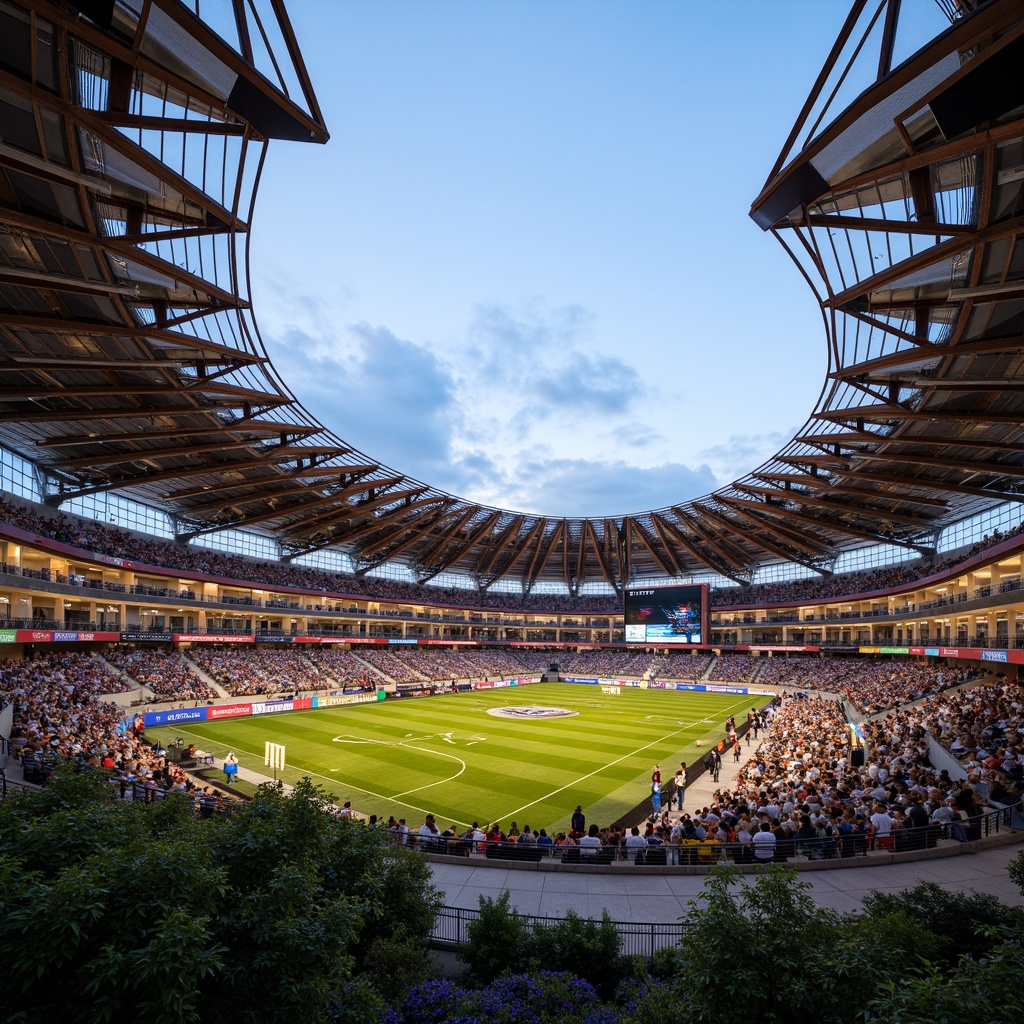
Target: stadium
{"type": "Point", "coordinates": [193, 566]}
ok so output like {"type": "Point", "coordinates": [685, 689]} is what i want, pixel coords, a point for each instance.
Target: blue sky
{"type": "Point", "coordinates": [522, 269]}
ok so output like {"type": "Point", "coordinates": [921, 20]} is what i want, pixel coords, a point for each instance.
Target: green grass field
{"type": "Point", "coordinates": [446, 755]}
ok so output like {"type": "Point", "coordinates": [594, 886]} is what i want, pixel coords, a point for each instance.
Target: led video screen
{"type": "Point", "coordinates": [666, 615]}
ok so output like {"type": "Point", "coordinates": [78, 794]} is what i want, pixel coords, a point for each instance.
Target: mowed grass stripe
{"type": "Point", "coordinates": [407, 756]}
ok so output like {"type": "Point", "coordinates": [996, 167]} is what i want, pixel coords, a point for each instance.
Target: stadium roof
{"type": "Point", "coordinates": [132, 136]}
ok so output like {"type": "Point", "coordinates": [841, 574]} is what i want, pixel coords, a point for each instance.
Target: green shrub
{"type": "Point", "coordinates": [497, 941]}
{"type": "Point", "coordinates": [587, 949]}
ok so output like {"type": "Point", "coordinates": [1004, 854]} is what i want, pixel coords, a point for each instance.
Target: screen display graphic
{"type": "Point", "coordinates": [665, 615]}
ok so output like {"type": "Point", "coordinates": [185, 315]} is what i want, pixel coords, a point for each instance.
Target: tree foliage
{"type": "Point", "coordinates": [111, 911]}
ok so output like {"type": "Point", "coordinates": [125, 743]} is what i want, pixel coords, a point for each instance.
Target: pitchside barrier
{"type": "Point", "coordinates": [247, 708]}
{"type": "Point", "coordinates": [707, 853]}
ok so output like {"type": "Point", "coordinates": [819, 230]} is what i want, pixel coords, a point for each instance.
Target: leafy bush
{"type": "Point", "coordinates": [1016, 870]}
{"type": "Point", "coordinates": [588, 949]}
{"type": "Point", "coordinates": [985, 991]}
{"type": "Point", "coordinates": [957, 921]}
{"type": "Point", "coordinates": [497, 941]}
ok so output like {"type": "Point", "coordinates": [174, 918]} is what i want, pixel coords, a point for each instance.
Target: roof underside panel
{"type": "Point", "coordinates": [130, 361]}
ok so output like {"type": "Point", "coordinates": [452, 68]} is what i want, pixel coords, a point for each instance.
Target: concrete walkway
{"type": "Point", "coordinates": [661, 895]}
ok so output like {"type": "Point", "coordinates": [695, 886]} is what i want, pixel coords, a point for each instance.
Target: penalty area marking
{"type": "Point", "coordinates": [446, 736]}
{"type": "Point", "coordinates": [348, 785]}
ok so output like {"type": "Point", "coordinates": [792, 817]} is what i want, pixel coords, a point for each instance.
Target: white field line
{"type": "Point", "coordinates": [333, 780]}
{"type": "Point", "coordinates": [413, 807]}
{"type": "Point", "coordinates": [590, 775]}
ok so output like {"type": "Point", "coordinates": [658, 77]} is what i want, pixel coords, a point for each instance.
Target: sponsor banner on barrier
{"type": "Point", "coordinates": [719, 688]}
{"type": "Point", "coordinates": [322, 639]}
{"type": "Point", "coordinates": [340, 701]}
{"type": "Point", "coordinates": [176, 716]}
{"type": "Point", "coordinates": [932, 652]}
{"type": "Point", "coordinates": [367, 640]}
{"type": "Point", "coordinates": [582, 679]}
{"type": "Point", "coordinates": [164, 638]}
{"type": "Point", "coordinates": [263, 638]}
{"type": "Point", "coordinates": [228, 711]}
{"type": "Point", "coordinates": [893, 650]}
{"type": "Point", "coordinates": [692, 687]}
{"type": "Point", "coordinates": [270, 707]}
{"type": "Point", "coordinates": [994, 656]}
{"type": "Point", "coordinates": [8, 636]}
{"type": "Point", "coordinates": [63, 635]}
{"type": "Point", "coordinates": [450, 643]}
{"type": "Point", "coordinates": [402, 640]}
{"type": "Point", "coordinates": [212, 638]}
{"type": "Point", "coordinates": [918, 650]}
{"type": "Point", "coordinates": [783, 647]}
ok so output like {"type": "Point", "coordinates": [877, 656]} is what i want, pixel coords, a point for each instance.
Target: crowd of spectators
{"type": "Point", "coordinates": [343, 667]}
{"type": "Point", "coordinates": [252, 673]}
{"type": "Point", "coordinates": [734, 668]}
{"type": "Point", "coordinates": [610, 663]}
{"type": "Point", "coordinates": [803, 769]}
{"type": "Point", "coordinates": [684, 666]}
{"type": "Point", "coordinates": [57, 707]}
{"type": "Point", "coordinates": [167, 674]}
{"type": "Point", "coordinates": [871, 685]}
{"type": "Point", "coordinates": [982, 727]}
{"type": "Point", "coordinates": [91, 535]}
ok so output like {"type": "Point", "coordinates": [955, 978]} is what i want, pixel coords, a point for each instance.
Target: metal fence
{"type": "Point", "coordinates": [451, 927]}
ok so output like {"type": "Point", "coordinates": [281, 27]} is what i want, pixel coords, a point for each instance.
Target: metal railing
{"type": "Point", "coordinates": [451, 927]}
{"type": "Point", "coordinates": [852, 846]}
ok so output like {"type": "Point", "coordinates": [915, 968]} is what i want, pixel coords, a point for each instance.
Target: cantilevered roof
{"type": "Point", "coordinates": [131, 141]}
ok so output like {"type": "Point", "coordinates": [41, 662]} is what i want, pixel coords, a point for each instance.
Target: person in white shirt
{"type": "Point", "coordinates": [764, 844]}
{"type": "Point", "coordinates": [635, 843]}
{"type": "Point", "coordinates": [590, 844]}
{"type": "Point", "coordinates": [881, 827]}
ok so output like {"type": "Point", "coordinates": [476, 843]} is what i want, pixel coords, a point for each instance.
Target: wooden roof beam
{"type": "Point", "coordinates": [799, 540]}
{"type": "Point", "coordinates": [324, 522]}
{"type": "Point", "coordinates": [823, 524]}
{"type": "Point", "coordinates": [870, 511]}
{"type": "Point", "coordinates": [769, 546]}
{"type": "Point", "coordinates": [262, 428]}
{"type": "Point", "coordinates": [637, 529]}
{"type": "Point", "coordinates": [490, 557]}
{"type": "Point", "coordinates": [715, 562]}
{"type": "Point", "coordinates": [725, 551]}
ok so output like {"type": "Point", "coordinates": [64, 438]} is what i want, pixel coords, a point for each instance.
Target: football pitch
{"type": "Point", "coordinates": [447, 755]}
